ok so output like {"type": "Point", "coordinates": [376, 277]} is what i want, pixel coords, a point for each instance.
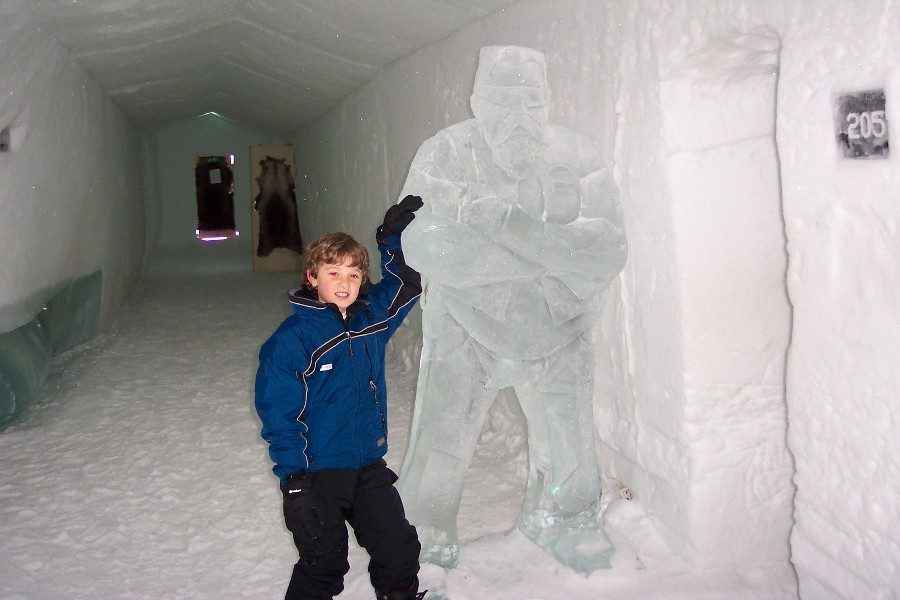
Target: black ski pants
{"type": "Point", "coordinates": [317, 507]}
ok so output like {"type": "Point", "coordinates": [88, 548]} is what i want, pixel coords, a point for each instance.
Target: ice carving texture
{"type": "Point", "coordinates": [520, 235]}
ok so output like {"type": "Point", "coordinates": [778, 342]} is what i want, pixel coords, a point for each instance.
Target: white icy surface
{"type": "Point", "coordinates": [141, 474]}
{"type": "Point", "coordinates": [275, 64]}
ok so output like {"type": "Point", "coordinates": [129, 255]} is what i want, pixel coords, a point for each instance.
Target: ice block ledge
{"type": "Point", "coordinates": [71, 317]}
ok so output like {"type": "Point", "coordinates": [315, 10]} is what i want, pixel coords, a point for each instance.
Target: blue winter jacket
{"type": "Point", "coordinates": [320, 387]}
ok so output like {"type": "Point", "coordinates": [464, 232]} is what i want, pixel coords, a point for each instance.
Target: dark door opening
{"type": "Point", "coordinates": [215, 198]}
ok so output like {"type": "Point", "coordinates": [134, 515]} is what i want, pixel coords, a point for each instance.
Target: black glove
{"type": "Point", "coordinates": [399, 216]}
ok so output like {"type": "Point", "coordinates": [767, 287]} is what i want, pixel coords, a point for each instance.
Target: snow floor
{"type": "Point", "coordinates": [140, 473]}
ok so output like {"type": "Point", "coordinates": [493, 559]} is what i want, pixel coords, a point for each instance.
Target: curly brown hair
{"type": "Point", "coordinates": [335, 249]}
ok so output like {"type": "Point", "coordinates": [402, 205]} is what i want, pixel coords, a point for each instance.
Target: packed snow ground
{"type": "Point", "coordinates": [140, 474]}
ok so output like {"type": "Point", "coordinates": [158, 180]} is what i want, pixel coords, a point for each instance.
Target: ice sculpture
{"type": "Point", "coordinates": [520, 235]}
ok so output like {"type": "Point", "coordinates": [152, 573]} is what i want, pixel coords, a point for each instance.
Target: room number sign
{"type": "Point", "coordinates": [861, 125]}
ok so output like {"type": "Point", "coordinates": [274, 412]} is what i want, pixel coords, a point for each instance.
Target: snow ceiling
{"type": "Point", "coordinates": [273, 64]}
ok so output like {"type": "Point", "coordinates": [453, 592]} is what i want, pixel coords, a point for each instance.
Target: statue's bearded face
{"type": "Point", "coordinates": [512, 106]}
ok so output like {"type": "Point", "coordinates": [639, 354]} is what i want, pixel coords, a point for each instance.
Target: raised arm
{"type": "Point", "coordinates": [400, 285]}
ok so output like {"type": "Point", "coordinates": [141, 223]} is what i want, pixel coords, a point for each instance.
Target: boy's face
{"type": "Point", "coordinates": [337, 284]}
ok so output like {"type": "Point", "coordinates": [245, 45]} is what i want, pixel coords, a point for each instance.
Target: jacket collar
{"type": "Point", "coordinates": [304, 296]}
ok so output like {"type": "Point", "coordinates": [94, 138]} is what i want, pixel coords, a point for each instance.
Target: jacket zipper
{"type": "Point", "coordinates": [377, 408]}
{"type": "Point", "coordinates": [345, 321]}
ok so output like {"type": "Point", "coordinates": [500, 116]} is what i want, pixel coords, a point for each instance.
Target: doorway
{"type": "Point", "coordinates": [214, 180]}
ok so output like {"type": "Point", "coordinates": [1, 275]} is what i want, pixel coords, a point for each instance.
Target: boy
{"type": "Point", "coordinates": [322, 400]}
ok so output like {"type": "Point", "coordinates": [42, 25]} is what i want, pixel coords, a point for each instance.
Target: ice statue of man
{"type": "Point", "coordinates": [520, 235]}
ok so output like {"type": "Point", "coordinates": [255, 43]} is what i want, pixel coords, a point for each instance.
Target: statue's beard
{"type": "Point", "coordinates": [517, 145]}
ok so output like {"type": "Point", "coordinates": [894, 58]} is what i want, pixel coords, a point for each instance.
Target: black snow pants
{"type": "Point", "coordinates": [317, 507]}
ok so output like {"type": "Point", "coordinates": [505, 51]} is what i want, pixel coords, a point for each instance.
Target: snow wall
{"type": "Point", "coordinates": [172, 197]}
{"type": "Point", "coordinates": [72, 232]}
{"type": "Point", "coordinates": [750, 241]}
